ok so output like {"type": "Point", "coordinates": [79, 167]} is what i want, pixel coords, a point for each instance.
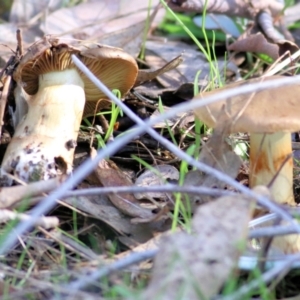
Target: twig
{"type": "Point", "coordinates": [271, 231]}
{"type": "Point", "coordinates": [45, 222]}
{"type": "Point", "coordinates": [87, 167]}
{"type": "Point", "coordinates": [7, 73]}
{"type": "Point", "coordinates": [19, 42]}
{"type": "Point", "coordinates": [9, 196]}
{"type": "Point", "coordinates": [150, 189]}
{"type": "Point", "coordinates": [3, 100]}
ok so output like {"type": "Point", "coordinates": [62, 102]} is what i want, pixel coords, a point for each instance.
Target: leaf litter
{"type": "Point", "coordinates": [136, 219]}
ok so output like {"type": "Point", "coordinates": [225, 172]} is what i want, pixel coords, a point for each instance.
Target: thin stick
{"type": "Point", "coordinates": [45, 222]}
{"type": "Point", "coordinates": [19, 42]}
{"type": "Point", "coordinates": [3, 100]}
{"type": "Point", "coordinates": [150, 189]}
{"type": "Point", "coordinates": [271, 231]}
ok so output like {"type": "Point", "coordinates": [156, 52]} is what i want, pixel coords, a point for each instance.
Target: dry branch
{"type": "Point", "coordinates": [45, 222]}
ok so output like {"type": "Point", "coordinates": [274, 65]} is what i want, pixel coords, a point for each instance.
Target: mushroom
{"type": "Point", "coordinates": [269, 116]}
{"type": "Point", "coordinates": [57, 95]}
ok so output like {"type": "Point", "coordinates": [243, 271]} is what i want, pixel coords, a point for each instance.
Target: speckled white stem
{"type": "Point", "coordinates": [49, 131]}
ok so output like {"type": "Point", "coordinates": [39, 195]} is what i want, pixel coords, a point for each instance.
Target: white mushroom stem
{"type": "Point", "coordinates": [49, 131]}
{"type": "Point", "coordinates": [268, 160]}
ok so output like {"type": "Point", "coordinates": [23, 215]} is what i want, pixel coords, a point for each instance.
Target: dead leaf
{"type": "Point", "coordinates": [159, 53]}
{"type": "Point", "coordinates": [198, 264]}
{"type": "Point", "coordinates": [216, 153]}
{"type": "Point", "coordinates": [114, 22]}
{"type": "Point", "coordinates": [257, 43]}
{"type": "Point", "coordinates": [129, 39]}
{"type": "Point", "coordinates": [150, 177]}
{"type": "Point", "coordinates": [126, 202]}
{"type": "Point", "coordinates": [263, 13]}
{"type": "Point", "coordinates": [238, 8]}
{"type": "Point", "coordinates": [22, 11]}
{"type": "Point", "coordinates": [181, 118]}
{"type": "Point", "coordinates": [147, 75]}
{"type": "Point", "coordinates": [101, 208]}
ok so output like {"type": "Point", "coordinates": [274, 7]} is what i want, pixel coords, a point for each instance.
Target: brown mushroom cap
{"type": "Point", "coordinates": [114, 67]}
{"type": "Point", "coordinates": [266, 111]}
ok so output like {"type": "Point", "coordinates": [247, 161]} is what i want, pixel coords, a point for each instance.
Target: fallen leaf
{"type": "Point", "coordinates": [159, 53]}
{"type": "Point", "coordinates": [263, 13]}
{"type": "Point", "coordinates": [125, 202]}
{"type": "Point", "coordinates": [158, 176]}
{"type": "Point", "coordinates": [147, 75]}
{"type": "Point", "coordinates": [116, 23]}
{"type": "Point", "coordinates": [238, 8]}
{"type": "Point", "coordinates": [257, 43]}
{"type": "Point", "coordinates": [218, 154]}
{"type": "Point", "coordinates": [22, 11]}
{"type": "Point", "coordinates": [129, 39]}
{"type": "Point", "coordinates": [101, 208]}
{"type": "Point", "coordinates": [198, 264]}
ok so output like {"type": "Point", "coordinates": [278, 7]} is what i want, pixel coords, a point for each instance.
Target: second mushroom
{"type": "Point", "coordinates": [269, 116]}
{"type": "Point", "coordinates": [57, 93]}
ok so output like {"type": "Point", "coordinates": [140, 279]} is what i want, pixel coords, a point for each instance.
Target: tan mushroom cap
{"type": "Point", "coordinates": [266, 111]}
{"type": "Point", "coordinates": [114, 67]}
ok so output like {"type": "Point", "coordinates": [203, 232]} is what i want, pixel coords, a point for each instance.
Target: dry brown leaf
{"type": "Point", "coordinates": [257, 43]}
{"type": "Point", "coordinates": [238, 8]}
{"type": "Point", "coordinates": [129, 38]}
{"type": "Point", "coordinates": [22, 11]}
{"type": "Point", "coordinates": [148, 75]}
{"type": "Point", "coordinates": [150, 177]}
{"type": "Point", "coordinates": [264, 13]}
{"type": "Point", "coordinates": [100, 207]}
{"type": "Point", "coordinates": [216, 153]}
{"type": "Point", "coordinates": [198, 264]}
{"type": "Point", "coordinates": [126, 202]}
{"type": "Point", "coordinates": [113, 22]}
{"type": "Point", "coordinates": [159, 53]}
{"type": "Point", "coordinates": [181, 118]}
